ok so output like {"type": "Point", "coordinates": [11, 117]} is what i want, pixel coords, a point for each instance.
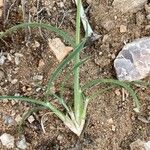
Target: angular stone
{"type": "Point", "coordinates": [7, 140]}
{"type": "Point", "coordinates": [22, 144]}
{"type": "Point", "coordinates": [132, 63]}
{"type": "Point", "coordinates": [59, 49]}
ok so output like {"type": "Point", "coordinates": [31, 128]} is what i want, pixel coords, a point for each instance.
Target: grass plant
{"type": "Point", "coordinates": [73, 117]}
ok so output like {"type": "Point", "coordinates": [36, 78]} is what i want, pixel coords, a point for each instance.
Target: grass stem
{"type": "Point", "coordinates": [77, 92]}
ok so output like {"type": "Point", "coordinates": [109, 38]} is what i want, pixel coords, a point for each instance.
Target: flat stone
{"type": "Point", "coordinates": [38, 77]}
{"type": "Point", "coordinates": [123, 29]}
{"type": "Point", "coordinates": [8, 120]}
{"type": "Point", "coordinates": [14, 81]}
{"type": "Point", "coordinates": [59, 49]}
{"type": "Point", "coordinates": [2, 59]}
{"type": "Point", "coordinates": [7, 140]}
{"type": "Point", "coordinates": [31, 119]}
{"type": "Point", "coordinates": [143, 119]}
{"type": "Point", "coordinates": [132, 62]}
{"type": "Point", "coordinates": [129, 5]}
{"type": "Point", "coordinates": [18, 118]}
{"type": "Point", "coordinates": [147, 145]}
{"type": "Point", "coordinates": [21, 144]}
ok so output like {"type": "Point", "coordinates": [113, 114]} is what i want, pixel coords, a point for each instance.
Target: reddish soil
{"type": "Point", "coordinates": [112, 123]}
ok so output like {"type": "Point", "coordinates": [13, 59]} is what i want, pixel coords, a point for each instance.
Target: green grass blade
{"type": "Point", "coordinates": [68, 74]}
{"type": "Point", "coordinates": [116, 82]}
{"type": "Point", "coordinates": [62, 65]}
{"type": "Point", "coordinates": [81, 63]}
{"type": "Point", "coordinates": [61, 101]}
{"type": "Point", "coordinates": [48, 27]}
{"type": "Point", "coordinates": [37, 102]}
{"type": "Point", "coordinates": [100, 92]}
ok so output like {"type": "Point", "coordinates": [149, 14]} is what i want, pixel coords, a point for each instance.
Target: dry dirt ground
{"type": "Point", "coordinates": [112, 123]}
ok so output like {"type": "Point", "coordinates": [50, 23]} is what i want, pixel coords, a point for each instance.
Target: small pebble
{"type": "Point", "coordinates": [60, 137]}
{"type": "Point", "coordinates": [143, 119]}
{"type": "Point", "coordinates": [38, 89]}
{"type": "Point", "coordinates": [123, 29]}
{"type": "Point", "coordinates": [41, 63]}
{"type": "Point", "coordinates": [13, 102]}
{"type": "Point", "coordinates": [5, 100]}
{"type": "Point", "coordinates": [105, 38]}
{"type": "Point", "coordinates": [8, 120]}
{"type": "Point", "coordinates": [113, 56]}
{"type": "Point", "coordinates": [7, 140]}
{"type": "Point", "coordinates": [17, 58]}
{"type": "Point", "coordinates": [2, 59]}
{"type": "Point", "coordinates": [18, 118]}
{"type": "Point", "coordinates": [113, 128]}
{"type": "Point", "coordinates": [61, 5]}
{"type": "Point", "coordinates": [14, 81]}
{"type": "Point", "coordinates": [21, 144]}
{"type": "Point", "coordinates": [117, 92]}
{"type": "Point", "coordinates": [148, 107]}
{"type": "Point", "coordinates": [9, 57]}
{"type": "Point", "coordinates": [148, 17]}
{"type": "Point", "coordinates": [148, 118]}
{"type": "Point", "coordinates": [110, 121]}
{"type": "Point", "coordinates": [147, 145]}
{"type": "Point", "coordinates": [38, 77]}
{"type": "Point", "coordinates": [31, 119]}
{"type": "Point", "coordinates": [59, 49]}
{"type": "Point", "coordinates": [37, 44]}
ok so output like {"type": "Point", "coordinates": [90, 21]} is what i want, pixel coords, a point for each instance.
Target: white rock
{"type": "Point", "coordinates": [21, 144]}
{"type": "Point", "coordinates": [31, 119]}
{"type": "Point", "coordinates": [17, 58]}
{"type": "Point", "coordinates": [14, 81]}
{"type": "Point", "coordinates": [147, 145]}
{"type": "Point", "coordinates": [7, 140]}
{"type": "Point", "coordinates": [132, 63]}
{"type": "Point", "coordinates": [9, 57]}
{"type": "Point", "coordinates": [129, 5]}
{"type": "Point", "coordinates": [38, 77]}
{"type": "Point", "coordinates": [8, 120]}
{"type": "Point", "coordinates": [2, 59]}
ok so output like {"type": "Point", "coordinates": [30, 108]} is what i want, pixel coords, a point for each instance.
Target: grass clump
{"type": "Point", "coordinates": [74, 117]}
